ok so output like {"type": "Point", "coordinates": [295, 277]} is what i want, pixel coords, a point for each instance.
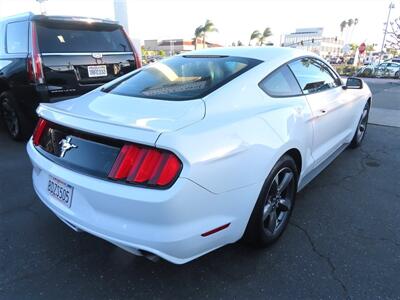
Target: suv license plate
{"type": "Point", "coordinates": [60, 191]}
{"type": "Point", "coordinates": [97, 71]}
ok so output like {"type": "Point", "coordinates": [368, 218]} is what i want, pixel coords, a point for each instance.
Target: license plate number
{"type": "Point", "coordinates": [97, 71]}
{"type": "Point", "coordinates": [60, 191]}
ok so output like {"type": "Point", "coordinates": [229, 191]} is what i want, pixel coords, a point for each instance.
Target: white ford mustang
{"type": "Point", "coordinates": [196, 151]}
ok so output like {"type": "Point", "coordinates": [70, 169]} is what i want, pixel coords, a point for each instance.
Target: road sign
{"type": "Point", "coordinates": [361, 48]}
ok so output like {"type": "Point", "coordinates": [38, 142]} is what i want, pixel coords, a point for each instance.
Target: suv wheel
{"type": "Point", "coordinates": [367, 72]}
{"type": "Point", "coordinates": [16, 123]}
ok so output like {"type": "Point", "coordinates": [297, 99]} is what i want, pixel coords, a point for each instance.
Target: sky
{"type": "Point", "coordinates": [235, 19]}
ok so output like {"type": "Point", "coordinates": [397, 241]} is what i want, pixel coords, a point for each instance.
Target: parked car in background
{"type": "Point", "coordinates": [395, 59]}
{"type": "Point", "coordinates": [53, 58]}
{"type": "Point", "coordinates": [350, 61]}
{"type": "Point", "coordinates": [336, 60]}
{"type": "Point", "coordinates": [385, 69]}
{"type": "Point", "coordinates": [196, 151]}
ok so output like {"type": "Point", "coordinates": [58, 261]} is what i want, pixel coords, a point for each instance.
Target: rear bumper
{"type": "Point", "coordinates": [168, 223]}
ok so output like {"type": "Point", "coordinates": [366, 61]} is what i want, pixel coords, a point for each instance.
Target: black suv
{"type": "Point", "coordinates": [53, 58]}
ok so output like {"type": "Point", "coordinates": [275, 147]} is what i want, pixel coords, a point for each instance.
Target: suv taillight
{"type": "Point", "coordinates": [37, 134]}
{"type": "Point", "coordinates": [138, 60]}
{"type": "Point", "coordinates": [146, 166]}
{"type": "Point", "coordinates": [35, 68]}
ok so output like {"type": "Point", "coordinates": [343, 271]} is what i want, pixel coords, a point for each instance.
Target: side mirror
{"type": "Point", "coordinates": [353, 83]}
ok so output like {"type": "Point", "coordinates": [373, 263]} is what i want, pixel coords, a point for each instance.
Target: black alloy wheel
{"type": "Point", "coordinates": [10, 117]}
{"type": "Point", "coordinates": [274, 205]}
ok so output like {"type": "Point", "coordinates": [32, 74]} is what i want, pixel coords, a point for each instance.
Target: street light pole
{"type": "Point", "coordinates": [384, 35]}
{"type": "Point", "coordinates": [42, 6]}
{"type": "Point", "coordinates": [172, 44]}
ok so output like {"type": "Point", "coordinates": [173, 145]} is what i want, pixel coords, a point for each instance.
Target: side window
{"type": "Point", "coordinates": [383, 66]}
{"type": "Point", "coordinates": [17, 37]}
{"type": "Point", "coordinates": [280, 83]}
{"type": "Point", "coordinates": [313, 76]}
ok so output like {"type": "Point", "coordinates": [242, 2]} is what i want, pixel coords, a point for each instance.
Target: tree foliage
{"type": "Point", "coordinates": [393, 35]}
{"type": "Point", "coordinates": [260, 37]}
{"type": "Point", "coordinates": [202, 30]}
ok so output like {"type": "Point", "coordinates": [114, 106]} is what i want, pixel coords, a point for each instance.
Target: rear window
{"type": "Point", "coordinates": [183, 77]}
{"type": "Point", "coordinates": [66, 37]}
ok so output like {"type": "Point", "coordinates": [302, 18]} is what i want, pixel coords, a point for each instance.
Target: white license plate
{"type": "Point", "coordinates": [97, 71]}
{"type": "Point", "coordinates": [60, 191]}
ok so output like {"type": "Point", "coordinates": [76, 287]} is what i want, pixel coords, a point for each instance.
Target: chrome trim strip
{"type": "Point", "coordinates": [85, 53]}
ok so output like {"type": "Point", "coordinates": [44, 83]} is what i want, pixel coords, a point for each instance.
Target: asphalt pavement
{"type": "Point", "coordinates": [386, 101]}
{"type": "Point", "coordinates": [343, 240]}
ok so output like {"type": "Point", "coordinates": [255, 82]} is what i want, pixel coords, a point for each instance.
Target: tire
{"type": "Point", "coordinates": [16, 123]}
{"type": "Point", "coordinates": [367, 73]}
{"type": "Point", "coordinates": [261, 230]}
{"type": "Point", "coordinates": [397, 75]}
{"type": "Point", "coordinates": [361, 127]}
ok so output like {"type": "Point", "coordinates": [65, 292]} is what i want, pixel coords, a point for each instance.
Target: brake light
{"type": "Point", "coordinates": [37, 134]}
{"type": "Point", "coordinates": [35, 68]}
{"type": "Point", "coordinates": [146, 166]}
{"type": "Point", "coordinates": [138, 60]}
{"type": "Point", "coordinates": [31, 76]}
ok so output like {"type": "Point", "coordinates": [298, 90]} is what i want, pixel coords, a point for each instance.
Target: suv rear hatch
{"type": "Point", "coordinates": [78, 56]}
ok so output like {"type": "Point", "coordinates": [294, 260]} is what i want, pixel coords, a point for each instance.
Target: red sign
{"type": "Point", "coordinates": [361, 48]}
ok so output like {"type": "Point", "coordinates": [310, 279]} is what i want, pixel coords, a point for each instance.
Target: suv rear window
{"type": "Point", "coordinates": [66, 37]}
{"type": "Point", "coordinates": [183, 77]}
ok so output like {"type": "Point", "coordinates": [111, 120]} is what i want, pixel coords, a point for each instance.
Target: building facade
{"type": "Point", "coordinates": [313, 39]}
{"type": "Point", "coordinates": [175, 46]}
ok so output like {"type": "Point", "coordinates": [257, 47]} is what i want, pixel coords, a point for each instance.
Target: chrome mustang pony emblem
{"type": "Point", "coordinates": [66, 145]}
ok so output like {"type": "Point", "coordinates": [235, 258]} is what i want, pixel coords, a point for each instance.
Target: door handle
{"type": "Point", "coordinates": [321, 113]}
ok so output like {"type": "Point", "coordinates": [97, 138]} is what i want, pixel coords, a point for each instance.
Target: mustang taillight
{"type": "Point", "coordinates": [37, 134]}
{"type": "Point", "coordinates": [146, 166]}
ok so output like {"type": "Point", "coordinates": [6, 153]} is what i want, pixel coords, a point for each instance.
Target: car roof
{"type": "Point", "coordinates": [71, 18]}
{"type": "Point", "coordinates": [18, 17]}
{"type": "Point", "coordinates": [32, 16]}
{"type": "Point", "coordinates": [260, 53]}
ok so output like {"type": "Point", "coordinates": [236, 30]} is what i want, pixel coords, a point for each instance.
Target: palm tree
{"type": "Point", "coordinates": [355, 22]}
{"type": "Point", "coordinates": [343, 26]}
{"type": "Point", "coordinates": [266, 34]}
{"type": "Point", "coordinates": [350, 22]}
{"type": "Point", "coordinates": [254, 36]}
{"type": "Point", "coordinates": [208, 27]}
{"type": "Point", "coordinates": [198, 33]}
